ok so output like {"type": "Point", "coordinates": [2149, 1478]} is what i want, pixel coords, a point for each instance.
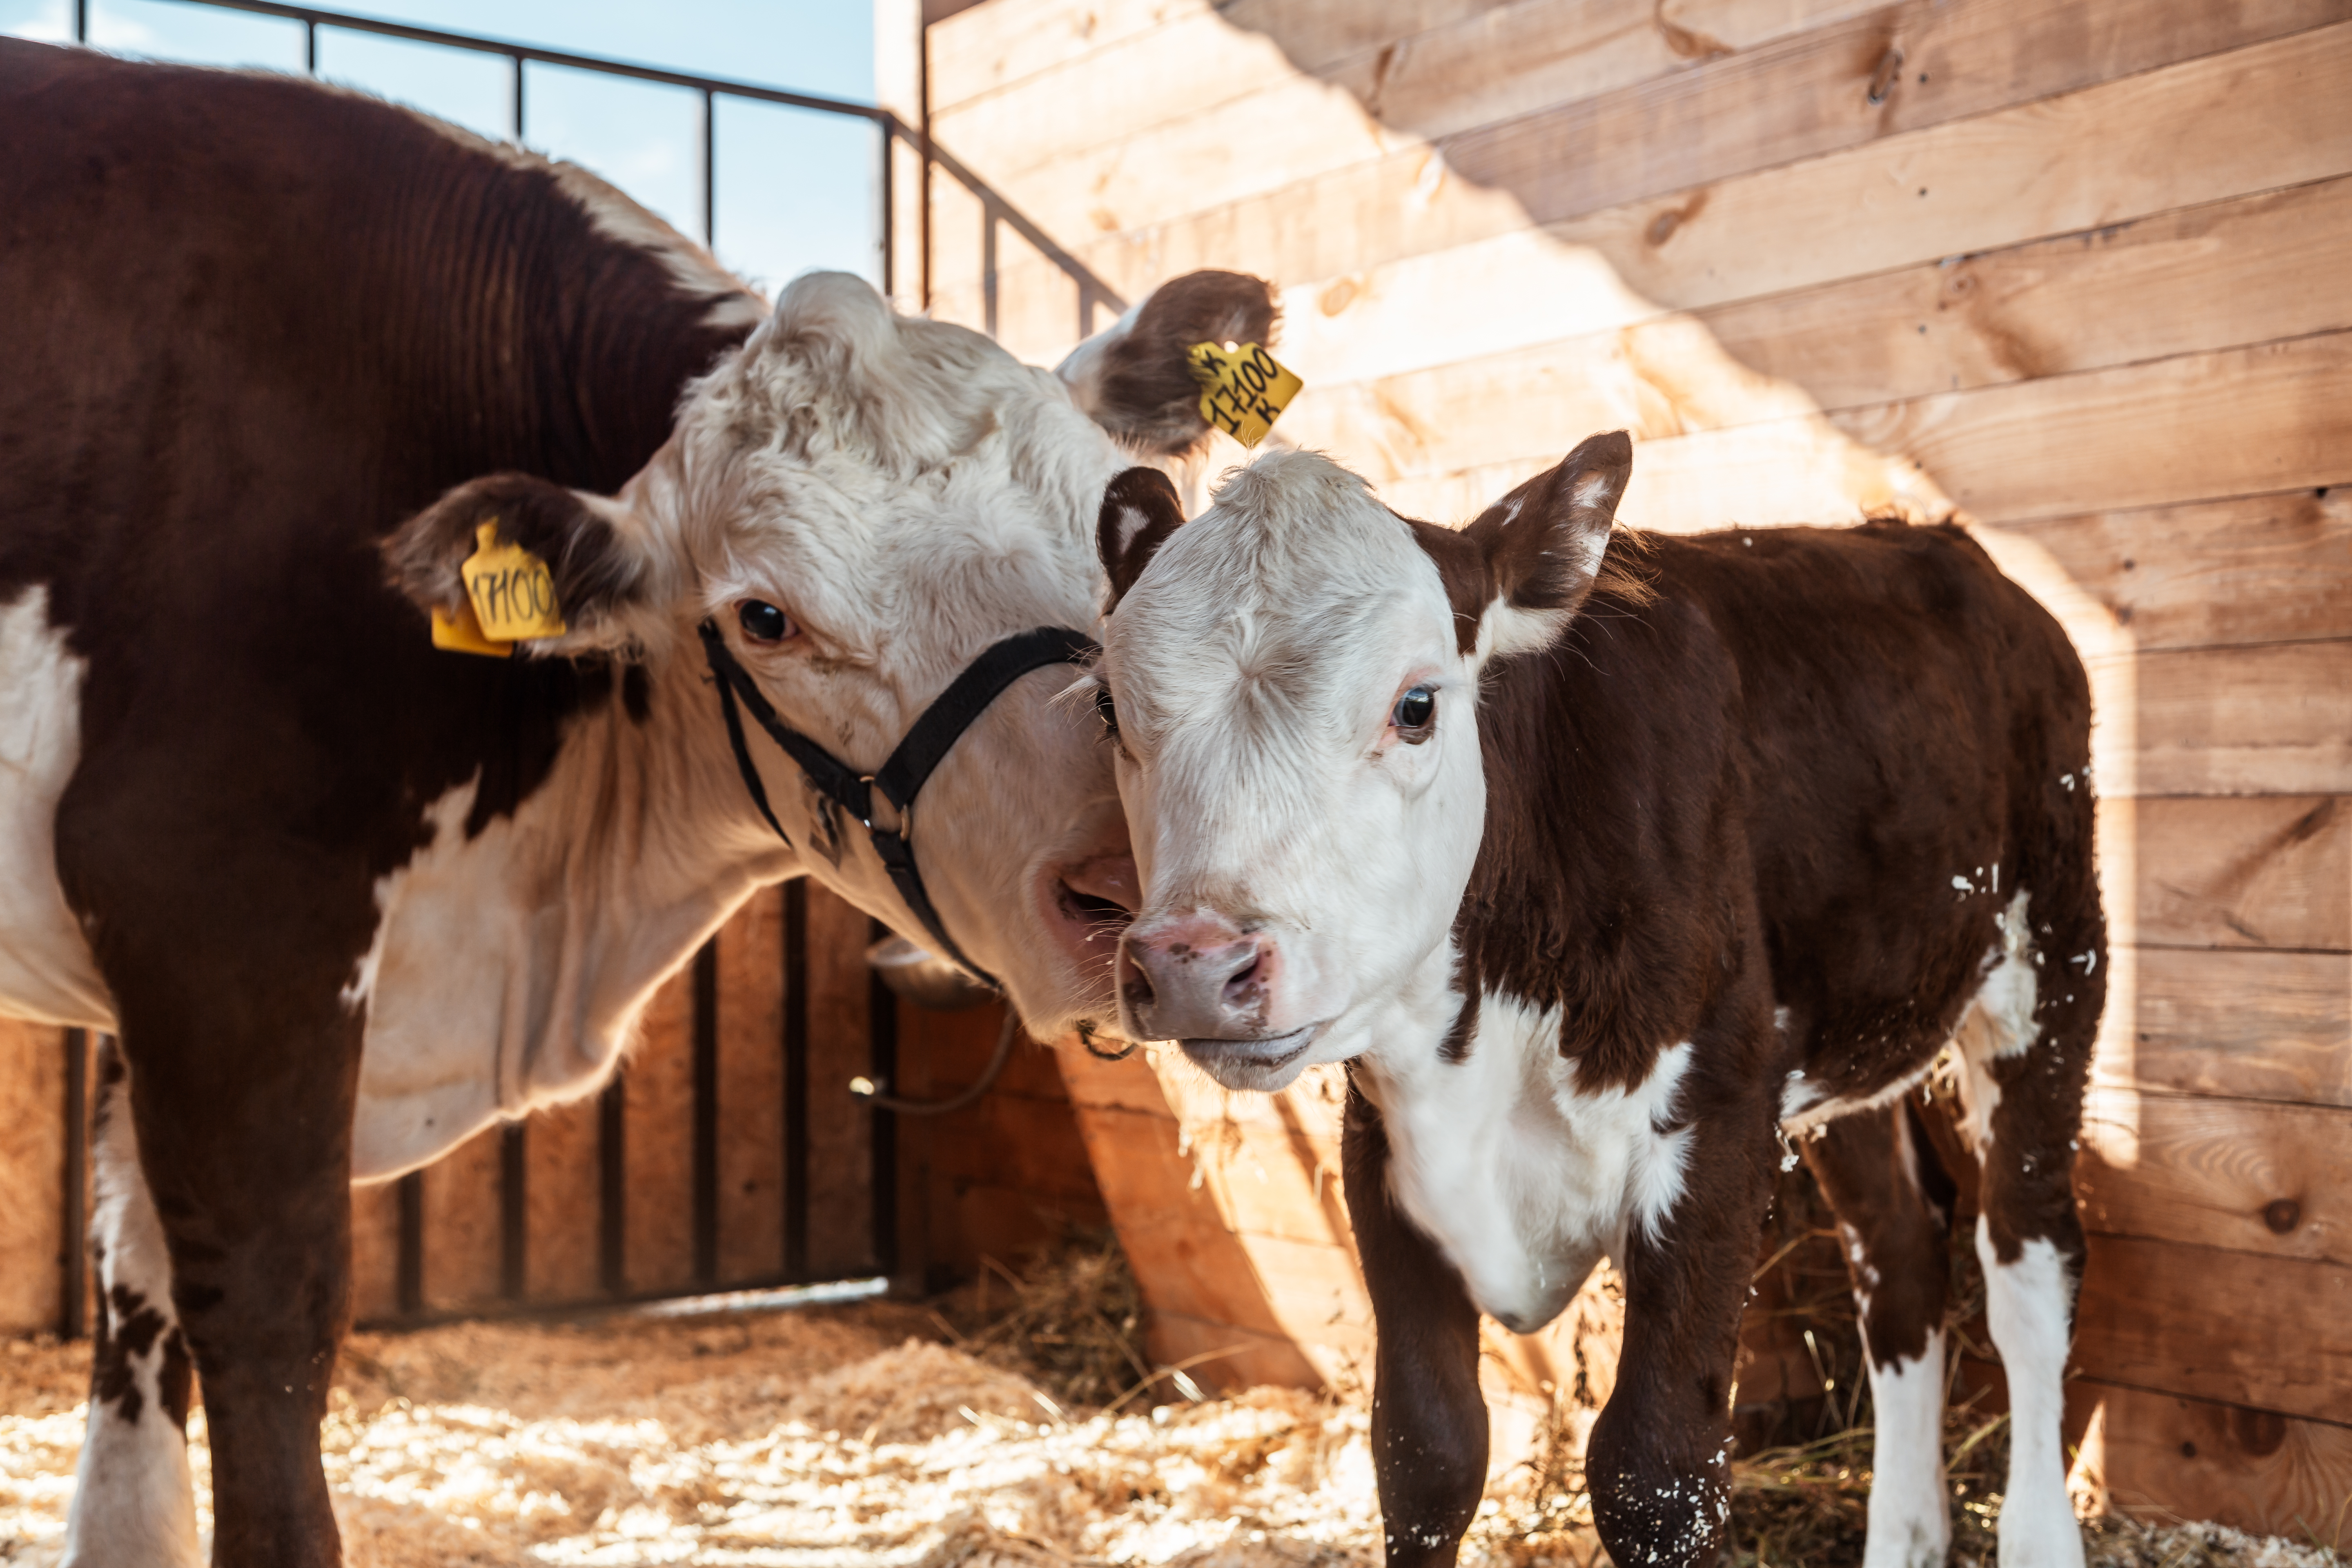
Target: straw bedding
{"type": "Point", "coordinates": [874, 1435]}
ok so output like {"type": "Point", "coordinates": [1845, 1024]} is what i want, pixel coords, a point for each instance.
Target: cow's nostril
{"type": "Point", "coordinates": [1134, 982]}
{"type": "Point", "coordinates": [1242, 980]}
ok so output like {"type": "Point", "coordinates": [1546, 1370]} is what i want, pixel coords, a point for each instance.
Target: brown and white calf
{"type": "Point", "coordinates": [1604, 861]}
{"type": "Point", "coordinates": [345, 898]}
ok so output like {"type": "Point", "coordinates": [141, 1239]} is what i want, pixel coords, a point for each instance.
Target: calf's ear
{"type": "Point", "coordinates": [592, 552]}
{"type": "Point", "coordinates": [1140, 510]}
{"type": "Point", "coordinates": [1132, 378]}
{"type": "Point", "coordinates": [1516, 576]}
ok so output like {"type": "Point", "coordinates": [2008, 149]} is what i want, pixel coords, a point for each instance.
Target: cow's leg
{"type": "Point", "coordinates": [2026, 1051]}
{"type": "Point", "coordinates": [1660, 1461]}
{"type": "Point", "coordinates": [1429, 1419]}
{"type": "Point", "coordinates": [1868, 1166]}
{"type": "Point", "coordinates": [248, 1153]}
{"type": "Point", "coordinates": [132, 1504]}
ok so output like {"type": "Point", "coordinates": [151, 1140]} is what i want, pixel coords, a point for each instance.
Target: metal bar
{"type": "Point", "coordinates": [988, 266]}
{"type": "Point", "coordinates": [889, 153]}
{"type": "Point", "coordinates": [518, 99]}
{"type": "Point", "coordinates": [514, 1211]}
{"type": "Point", "coordinates": [81, 21]}
{"type": "Point", "coordinates": [73, 1295]}
{"type": "Point", "coordinates": [311, 44]}
{"type": "Point", "coordinates": [709, 172]}
{"type": "Point", "coordinates": [1076, 270]}
{"type": "Point", "coordinates": [704, 1150]}
{"type": "Point", "coordinates": [796, 1119]}
{"type": "Point", "coordinates": [882, 1054]}
{"type": "Point", "coordinates": [545, 56]}
{"type": "Point", "coordinates": [408, 1270]}
{"type": "Point", "coordinates": [613, 1187]}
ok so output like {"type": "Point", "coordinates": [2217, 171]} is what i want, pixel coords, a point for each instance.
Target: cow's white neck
{"type": "Point", "coordinates": [1522, 1176]}
{"type": "Point", "coordinates": [508, 968]}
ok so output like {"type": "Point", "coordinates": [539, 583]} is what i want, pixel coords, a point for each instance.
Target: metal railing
{"type": "Point", "coordinates": [995, 211]}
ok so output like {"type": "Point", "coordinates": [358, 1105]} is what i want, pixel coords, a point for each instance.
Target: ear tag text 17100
{"type": "Point", "coordinates": [511, 590]}
{"type": "Point", "coordinates": [1242, 390]}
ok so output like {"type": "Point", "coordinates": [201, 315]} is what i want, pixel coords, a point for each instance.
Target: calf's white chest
{"type": "Point", "coordinates": [1523, 1178]}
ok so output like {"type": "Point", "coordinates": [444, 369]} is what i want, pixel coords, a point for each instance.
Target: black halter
{"type": "Point", "coordinates": [922, 749]}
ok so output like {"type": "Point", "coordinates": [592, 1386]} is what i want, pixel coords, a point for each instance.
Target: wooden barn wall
{"type": "Point", "coordinates": [2077, 272]}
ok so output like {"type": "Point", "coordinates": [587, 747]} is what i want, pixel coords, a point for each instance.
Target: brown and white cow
{"type": "Point", "coordinates": [1605, 861]}
{"type": "Point", "coordinates": [346, 898]}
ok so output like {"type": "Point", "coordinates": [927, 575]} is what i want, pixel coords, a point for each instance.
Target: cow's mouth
{"type": "Point", "coordinates": [1266, 1064]}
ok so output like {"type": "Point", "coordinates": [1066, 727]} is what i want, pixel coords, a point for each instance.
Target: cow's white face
{"type": "Point", "coordinates": [1295, 676]}
{"type": "Point", "coordinates": [863, 503]}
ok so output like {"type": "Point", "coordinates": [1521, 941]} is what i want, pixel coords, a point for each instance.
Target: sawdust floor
{"type": "Point", "coordinates": [832, 1436]}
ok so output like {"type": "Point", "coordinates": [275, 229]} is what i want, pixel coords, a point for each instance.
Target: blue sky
{"type": "Point", "coordinates": [796, 189]}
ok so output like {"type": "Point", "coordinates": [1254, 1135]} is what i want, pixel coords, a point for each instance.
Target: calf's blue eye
{"type": "Point", "coordinates": [1416, 709]}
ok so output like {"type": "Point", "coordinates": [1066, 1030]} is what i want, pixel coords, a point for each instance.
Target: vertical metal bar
{"type": "Point", "coordinates": [311, 44]}
{"type": "Point", "coordinates": [709, 172]}
{"type": "Point", "coordinates": [882, 1053]}
{"type": "Point", "coordinates": [81, 21]}
{"type": "Point", "coordinates": [923, 151]}
{"type": "Point", "coordinates": [612, 1186]}
{"type": "Point", "coordinates": [988, 266]}
{"type": "Point", "coordinates": [704, 1150]}
{"type": "Point", "coordinates": [518, 97]}
{"type": "Point", "coordinates": [514, 1211]}
{"type": "Point", "coordinates": [796, 1054]}
{"type": "Point", "coordinates": [408, 1270]}
{"type": "Point", "coordinates": [73, 1297]}
{"type": "Point", "coordinates": [890, 156]}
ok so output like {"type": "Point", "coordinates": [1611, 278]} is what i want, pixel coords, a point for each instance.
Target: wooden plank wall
{"type": "Point", "coordinates": [2075, 272]}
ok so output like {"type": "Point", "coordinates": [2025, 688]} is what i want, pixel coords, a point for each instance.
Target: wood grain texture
{"type": "Point", "coordinates": [33, 1244]}
{"type": "Point", "coordinates": [657, 1150]}
{"type": "Point", "coordinates": [2272, 1334]}
{"type": "Point", "coordinates": [561, 1237]}
{"type": "Point", "coordinates": [841, 1128]}
{"type": "Point", "coordinates": [2266, 1026]}
{"type": "Point", "coordinates": [2264, 568]}
{"type": "Point", "coordinates": [2261, 871]}
{"type": "Point", "coordinates": [2201, 132]}
{"type": "Point", "coordinates": [752, 1091]}
{"type": "Point", "coordinates": [2162, 1456]}
{"type": "Point", "coordinates": [461, 1226]}
{"type": "Point", "coordinates": [2247, 1175]}
{"type": "Point", "coordinates": [2241, 721]}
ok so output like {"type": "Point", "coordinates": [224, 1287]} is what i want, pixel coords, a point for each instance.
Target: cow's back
{"type": "Point", "coordinates": [252, 323]}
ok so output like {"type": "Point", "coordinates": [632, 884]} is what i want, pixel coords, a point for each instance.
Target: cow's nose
{"type": "Point", "coordinates": [1197, 978]}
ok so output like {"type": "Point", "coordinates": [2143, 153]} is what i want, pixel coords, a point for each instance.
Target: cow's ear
{"type": "Point", "coordinates": [593, 553]}
{"type": "Point", "coordinates": [1140, 510]}
{"type": "Point", "coordinates": [1516, 576]}
{"type": "Point", "coordinates": [1132, 377]}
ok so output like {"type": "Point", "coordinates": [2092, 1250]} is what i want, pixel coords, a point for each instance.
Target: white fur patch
{"type": "Point", "coordinates": [1910, 1518]}
{"type": "Point", "coordinates": [133, 1500]}
{"type": "Point", "coordinates": [1523, 1178]}
{"type": "Point", "coordinates": [2029, 1305]}
{"type": "Point", "coordinates": [1999, 1021]}
{"type": "Point", "coordinates": [47, 972]}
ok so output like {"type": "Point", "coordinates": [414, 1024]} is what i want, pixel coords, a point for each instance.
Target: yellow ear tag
{"type": "Point", "coordinates": [461, 633]}
{"type": "Point", "coordinates": [1243, 392]}
{"type": "Point", "coordinates": [513, 590]}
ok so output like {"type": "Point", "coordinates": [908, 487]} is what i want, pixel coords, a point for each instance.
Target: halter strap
{"type": "Point", "coordinates": [902, 776]}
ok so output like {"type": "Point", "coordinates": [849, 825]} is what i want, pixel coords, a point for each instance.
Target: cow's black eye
{"type": "Point", "coordinates": [1415, 714]}
{"type": "Point", "coordinates": [763, 622]}
{"type": "Point", "coordinates": [1109, 710]}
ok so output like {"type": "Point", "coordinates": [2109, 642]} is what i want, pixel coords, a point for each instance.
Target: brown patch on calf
{"type": "Point", "coordinates": [1145, 394]}
{"type": "Point", "coordinates": [128, 1327]}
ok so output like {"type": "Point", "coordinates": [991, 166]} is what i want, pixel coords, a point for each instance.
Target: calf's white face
{"type": "Point", "coordinates": [1295, 680]}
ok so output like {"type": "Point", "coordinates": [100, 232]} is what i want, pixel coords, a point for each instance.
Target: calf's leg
{"type": "Point", "coordinates": [1429, 1419]}
{"type": "Point", "coordinates": [1894, 1235]}
{"type": "Point", "coordinates": [132, 1503]}
{"type": "Point", "coordinates": [1660, 1460]}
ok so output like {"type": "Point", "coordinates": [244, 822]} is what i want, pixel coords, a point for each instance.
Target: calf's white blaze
{"type": "Point", "coordinates": [1525, 1178]}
